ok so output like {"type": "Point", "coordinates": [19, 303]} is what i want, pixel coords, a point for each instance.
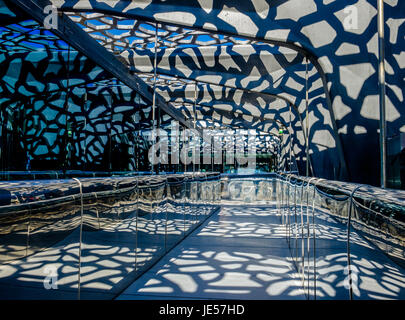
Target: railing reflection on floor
{"type": "Point", "coordinates": [91, 237]}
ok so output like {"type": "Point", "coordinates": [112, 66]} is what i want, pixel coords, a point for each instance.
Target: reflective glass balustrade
{"type": "Point", "coordinates": [91, 237]}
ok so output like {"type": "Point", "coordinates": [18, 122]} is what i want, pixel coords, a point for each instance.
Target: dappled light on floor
{"type": "Point", "coordinates": [242, 253]}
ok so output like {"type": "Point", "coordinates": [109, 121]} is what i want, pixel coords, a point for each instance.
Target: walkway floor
{"type": "Point", "coordinates": [238, 253]}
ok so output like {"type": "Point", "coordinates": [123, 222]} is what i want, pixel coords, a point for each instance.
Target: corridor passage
{"type": "Point", "coordinates": [238, 253]}
{"type": "Point", "coordinates": [241, 252]}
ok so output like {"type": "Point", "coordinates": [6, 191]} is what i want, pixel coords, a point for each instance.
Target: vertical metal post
{"type": "Point", "coordinates": [296, 224]}
{"type": "Point", "coordinates": [223, 143]}
{"type": "Point", "coordinates": [80, 239]}
{"type": "Point", "coordinates": [195, 120]}
{"type": "Point", "coordinates": [308, 235]}
{"type": "Point", "coordinates": [234, 149]}
{"type": "Point", "coordinates": [267, 149]}
{"type": "Point", "coordinates": [158, 123]}
{"type": "Point", "coordinates": [307, 117]}
{"type": "Point", "coordinates": [212, 150]}
{"type": "Point", "coordinates": [136, 223]}
{"type": "Point", "coordinates": [381, 78]}
{"type": "Point", "coordinates": [184, 142]}
{"type": "Point", "coordinates": [286, 200]}
{"type": "Point", "coordinates": [314, 238]}
{"type": "Point", "coordinates": [302, 237]}
{"type": "Point", "coordinates": [289, 134]}
{"type": "Point", "coordinates": [110, 135]}
{"type": "Point", "coordinates": [179, 147]}
{"type": "Point", "coordinates": [349, 215]}
{"type": "Point", "coordinates": [154, 98]}
{"type": "Point", "coordinates": [279, 155]}
{"type": "Point", "coordinates": [84, 129]}
{"type": "Point", "coordinates": [66, 111]}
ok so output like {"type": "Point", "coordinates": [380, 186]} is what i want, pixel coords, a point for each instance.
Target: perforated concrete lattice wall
{"type": "Point", "coordinates": [243, 64]}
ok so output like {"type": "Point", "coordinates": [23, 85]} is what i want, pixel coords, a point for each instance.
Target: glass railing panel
{"type": "Point", "coordinates": [325, 246]}
{"type": "Point", "coordinates": [338, 249]}
{"type": "Point", "coordinates": [108, 236]}
{"type": "Point", "coordinates": [92, 236]}
{"type": "Point", "coordinates": [383, 224]}
{"type": "Point", "coordinates": [48, 217]}
{"type": "Point", "coordinates": [194, 196]}
{"type": "Point", "coordinates": [151, 222]}
{"type": "Point", "coordinates": [202, 196]}
{"type": "Point", "coordinates": [187, 204]}
{"type": "Point", "coordinates": [175, 210]}
{"type": "Point", "coordinates": [14, 225]}
{"type": "Point", "coordinates": [191, 201]}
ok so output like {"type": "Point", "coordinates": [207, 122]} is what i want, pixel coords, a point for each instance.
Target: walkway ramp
{"type": "Point", "coordinates": [238, 253]}
{"type": "Point", "coordinates": [242, 252]}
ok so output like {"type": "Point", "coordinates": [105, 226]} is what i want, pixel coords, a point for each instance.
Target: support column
{"type": "Point", "coordinates": [381, 78]}
{"type": "Point", "coordinates": [154, 99]}
{"type": "Point", "coordinates": [110, 133]}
